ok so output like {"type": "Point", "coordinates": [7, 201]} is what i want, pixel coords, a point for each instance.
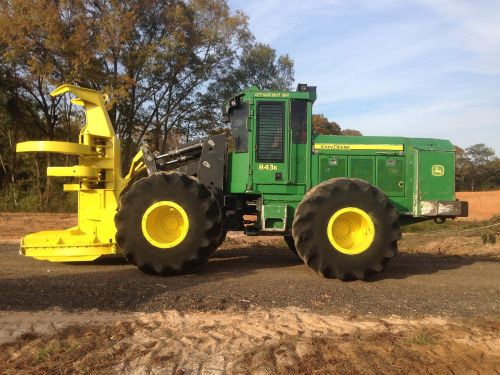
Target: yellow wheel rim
{"type": "Point", "coordinates": [351, 230]}
{"type": "Point", "coordinates": [165, 224]}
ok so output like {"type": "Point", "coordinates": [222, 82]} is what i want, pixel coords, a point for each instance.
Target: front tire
{"type": "Point", "coordinates": [346, 228]}
{"type": "Point", "coordinates": [168, 223]}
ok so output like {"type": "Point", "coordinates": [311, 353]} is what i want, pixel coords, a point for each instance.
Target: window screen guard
{"type": "Point", "coordinates": [270, 131]}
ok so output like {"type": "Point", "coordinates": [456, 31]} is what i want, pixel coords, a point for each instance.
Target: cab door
{"type": "Point", "coordinates": [270, 169]}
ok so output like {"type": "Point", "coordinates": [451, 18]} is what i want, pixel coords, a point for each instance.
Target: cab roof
{"type": "Point", "coordinates": [303, 92]}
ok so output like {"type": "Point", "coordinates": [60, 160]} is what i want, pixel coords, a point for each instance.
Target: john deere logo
{"type": "Point", "coordinates": [437, 170]}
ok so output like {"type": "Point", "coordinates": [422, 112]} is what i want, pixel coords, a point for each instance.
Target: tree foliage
{"type": "Point", "coordinates": [321, 125]}
{"type": "Point", "coordinates": [258, 65]}
{"type": "Point", "coordinates": [165, 65]}
{"type": "Point", "coordinates": [153, 58]}
{"type": "Point", "coordinates": [477, 168]}
{"type": "Point", "coordinates": [353, 132]}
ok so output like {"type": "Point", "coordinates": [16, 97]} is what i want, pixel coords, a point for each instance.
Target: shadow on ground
{"type": "Point", "coordinates": [250, 277]}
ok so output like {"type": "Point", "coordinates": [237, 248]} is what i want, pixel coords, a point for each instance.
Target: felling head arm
{"type": "Point", "coordinates": [97, 125]}
{"type": "Point", "coordinates": [98, 122]}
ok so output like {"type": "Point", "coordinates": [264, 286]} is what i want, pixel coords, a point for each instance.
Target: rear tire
{"type": "Point", "coordinates": [346, 228]}
{"type": "Point", "coordinates": [168, 223]}
{"type": "Point", "coordinates": [291, 244]}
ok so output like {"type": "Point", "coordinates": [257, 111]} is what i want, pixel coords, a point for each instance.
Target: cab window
{"type": "Point", "coordinates": [298, 121]}
{"type": "Point", "coordinates": [238, 117]}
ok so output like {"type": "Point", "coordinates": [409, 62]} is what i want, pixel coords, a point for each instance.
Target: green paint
{"type": "Point", "coordinates": [391, 175]}
{"type": "Point", "coordinates": [238, 172]}
{"type": "Point", "coordinates": [362, 167]}
{"type": "Point", "coordinates": [433, 186]}
{"type": "Point", "coordinates": [332, 166]}
{"type": "Point", "coordinates": [408, 170]}
{"type": "Point", "coordinates": [274, 216]}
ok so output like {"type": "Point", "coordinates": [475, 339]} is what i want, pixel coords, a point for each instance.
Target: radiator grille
{"type": "Point", "coordinates": [270, 131]}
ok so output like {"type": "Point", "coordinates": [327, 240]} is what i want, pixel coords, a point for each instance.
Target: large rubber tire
{"type": "Point", "coordinates": [138, 176]}
{"type": "Point", "coordinates": [310, 228]}
{"type": "Point", "coordinates": [222, 238]}
{"type": "Point", "coordinates": [291, 244]}
{"type": "Point", "coordinates": [200, 206]}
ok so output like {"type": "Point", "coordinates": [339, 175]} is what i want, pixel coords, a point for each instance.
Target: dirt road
{"type": "Point", "coordinates": [256, 276]}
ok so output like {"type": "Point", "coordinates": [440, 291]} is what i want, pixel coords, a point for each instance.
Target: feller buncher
{"type": "Point", "coordinates": [339, 201]}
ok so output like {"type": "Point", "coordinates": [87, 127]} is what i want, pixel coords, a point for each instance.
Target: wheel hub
{"type": "Point", "coordinates": [165, 224]}
{"type": "Point", "coordinates": [351, 230]}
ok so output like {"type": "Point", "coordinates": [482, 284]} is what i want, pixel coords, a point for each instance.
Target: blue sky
{"type": "Point", "coordinates": [417, 68]}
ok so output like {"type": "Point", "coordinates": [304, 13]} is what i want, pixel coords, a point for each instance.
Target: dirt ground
{"type": "Point", "coordinates": [13, 226]}
{"type": "Point", "coordinates": [254, 309]}
{"type": "Point", "coordinates": [482, 205]}
{"type": "Point", "coordinates": [275, 341]}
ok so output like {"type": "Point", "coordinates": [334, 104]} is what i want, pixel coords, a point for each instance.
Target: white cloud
{"type": "Point", "coordinates": [422, 67]}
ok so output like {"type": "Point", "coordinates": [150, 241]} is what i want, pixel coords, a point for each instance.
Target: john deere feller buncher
{"type": "Point", "coordinates": [338, 201]}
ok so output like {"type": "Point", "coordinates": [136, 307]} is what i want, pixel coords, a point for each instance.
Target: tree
{"type": "Point", "coordinates": [168, 53]}
{"type": "Point", "coordinates": [45, 43]}
{"type": "Point", "coordinates": [477, 168]}
{"type": "Point", "coordinates": [154, 58]}
{"type": "Point", "coordinates": [19, 121]}
{"type": "Point", "coordinates": [157, 60]}
{"type": "Point", "coordinates": [321, 125]}
{"type": "Point", "coordinates": [353, 132]}
{"type": "Point", "coordinates": [462, 168]}
{"type": "Point", "coordinates": [257, 65]}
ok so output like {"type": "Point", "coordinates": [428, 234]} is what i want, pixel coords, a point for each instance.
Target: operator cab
{"type": "Point", "coordinates": [273, 130]}
{"type": "Point", "coordinates": [236, 112]}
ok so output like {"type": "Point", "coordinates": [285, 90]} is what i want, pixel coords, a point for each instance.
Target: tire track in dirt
{"type": "Point", "coordinates": [286, 341]}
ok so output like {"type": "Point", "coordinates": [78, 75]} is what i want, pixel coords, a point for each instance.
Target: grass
{"type": "Point", "coordinates": [451, 225]}
{"type": "Point", "coordinates": [74, 350]}
{"type": "Point", "coordinates": [423, 338]}
{"type": "Point", "coordinates": [46, 351]}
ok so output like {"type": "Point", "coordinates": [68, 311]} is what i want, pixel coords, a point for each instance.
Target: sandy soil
{"type": "Point", "coordinates": [482, 205]}
{"type": "Point", "coordinates": [283, 341]}
{"type": "Point", "coordinates": [450, 244]}
{"type": "Point", "coordinates": [13, 226]}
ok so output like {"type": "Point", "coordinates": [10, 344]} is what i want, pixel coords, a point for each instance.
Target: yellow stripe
{"type": "Point", "coordinates": [350, 147]}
